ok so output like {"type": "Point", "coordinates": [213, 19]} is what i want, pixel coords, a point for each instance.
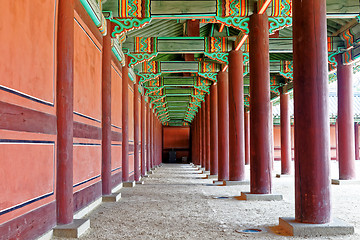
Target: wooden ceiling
{"type": "Point", "coordinates": [179, 69]}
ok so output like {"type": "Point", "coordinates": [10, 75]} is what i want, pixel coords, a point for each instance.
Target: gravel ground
{"type": "Point", "coordinates": [177, 203]}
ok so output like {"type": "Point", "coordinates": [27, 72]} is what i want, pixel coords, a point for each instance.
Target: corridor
{"type": "Point", "coordinates": [176, 202]}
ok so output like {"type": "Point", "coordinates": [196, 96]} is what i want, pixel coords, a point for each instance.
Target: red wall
{"type": "Point", "coordinates": [116, 122]}
{"type": "Point", "coordinates": [277, 142]}
{"type": "Point", "coordinates": [27, 118]}
{"type": "Point", "coordinates": [131, 128]}
{"type": "Point", "coordinates": [87, 113]}
{"type": "Point", "coordinates": [177, 138]}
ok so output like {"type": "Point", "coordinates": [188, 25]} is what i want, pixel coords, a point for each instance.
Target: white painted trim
{"type": "Point", "coordinates": [46, 236]}
{"type": "Point", "coordinates": [117, 188]}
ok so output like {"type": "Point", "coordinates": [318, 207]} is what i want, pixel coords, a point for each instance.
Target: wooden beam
{"type": "Point", "coordinates": [171, 7]}
{"type": "Point", "coordinates": [343, 8]}
{"type": "Point", "coordinates": [179, 66]}
{"type": "Point", "coordinates": [345, 27]}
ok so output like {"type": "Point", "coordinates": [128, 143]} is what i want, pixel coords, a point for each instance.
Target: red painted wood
{"type": "Point", "coordinates": [345, 120]}
{"type": "Point", "coordinates": [356, 126]}
{"type": "Point", "coordinates": [193, 147]}
{"type": "Point", "coordinates": [79, 8]}
{"type": "Point", "coordinates": [148, 156]}
{"type": "Point", "coordinates": [207, 131]}
{"type": "Point", "coordinates": [137, 148]}
{"type": "Point", "coordinates": [247, 137]}
{"type": "Point", "coordinates": [143, 136]}
{"type": "Point", "coordinates": [125, 123]}
{"type": "Point", "coordinates": [236, 117]}
{"type": "Point", "coordinates": [337, 139]}
{"type": "Point", "coordinates": [151, 139]}
{"type": "Point", "coordinates": [64, 108]}
{"type": "Point", "coordinates": [86, 196]}
{"type": "Point", "coordinates": [214, 130]}
{"type": "Point", "coordinates": [176, 138]}
{"type": "Point", "coordinates": [116, 179]}
{"type": "Point", "coordinates": [201, 152]}
{"type": "Point", "coordinates": [192, 30]}
{"type": "Point", "coordinates": [203, 135]}
{"type": "Point", "coordinates": [197, 143]}
{"type": "Point", "coordinates": [312, 149]}
{"type": "Point", "coordinates": [285, 133]}
{"type": "Point", "coordinates": [223, 126]}
{"type": "Point", "coordinates": [30, 225]}
{"type": "Point", "coordinates": [260, 122]}
{"type": "Point", "coordinates": [83, 130]}
{"type": "Point", "coordinates": [106, 113]}
{"type": "Point", "coordinates": [116, 136]}
{"type": "Point", "coordinates": [17, 118]}
{"type": "Point", "coordinates": [271, 137]}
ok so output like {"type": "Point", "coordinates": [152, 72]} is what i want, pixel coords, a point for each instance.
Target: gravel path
{"type": "Point", "coordinates": [177, 203]}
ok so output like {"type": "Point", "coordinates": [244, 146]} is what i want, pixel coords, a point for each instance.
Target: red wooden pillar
{"type": "Point", "coordinates": [64, 112]}
{"type": "Point", "coordinates": [136, 132]}
{"type": "Point", "coordinates": [236, 117]}
{"type": "Point", "coordinates": [312, 150]}
{"type": "Point", "coordinates": [346, 120]}
{"type": "Point", "coordinates": [155, 141]}
{"type": "Point", "coordinates": [337, 139]}
{"type": "Point", "coordinates": [161, 142]}
{"type": "Point", "coordinates": [260, 122]}
{"type": "Point", "coordinates": [125, 123]}
{"type": "Point", "coordinates": [106, 113]}
{"type": "Point", "coordinates": [151, 139]}
{"type": "Point", "coordinates": [143, 136]}
{"type": "Point", "coordinates": [214, 130]}
{"type": "Point", "coordinates": [285, 133]}
{"type": "Point", "coordinates": [203, 139]}
{"type": "Point", "coordinates": [356, 141]}
{"type": "Point", "coordinates": [272, 136]}
{"type": "Point", "coordinates": [247, 137]}
{"type": "Point", "coordinates": [223, 126]}
{"type": "Point", "coordinates": [148, 156]}
{"type": "Point", "coordinates": [193, 141]}
{"type": "Point", "coordinates": [199, 138]}
{"type": "Point", "coordinates": [207, 132]}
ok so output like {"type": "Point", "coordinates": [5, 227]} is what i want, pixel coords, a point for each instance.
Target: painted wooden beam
{"type": "Point", "coordinates": [195, 9]}
{"type": "Point", "coordinates": [342, 9]}
{"type": "Point", "coordinates": [178, 66]}
{"type": "Point", "coordinates": [171, 8]}
{"type": "Point", "coordinates": [182, 45]}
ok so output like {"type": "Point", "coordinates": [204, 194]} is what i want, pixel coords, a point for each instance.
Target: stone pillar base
{"type": "Point", "coordinates": [260, 197]}
{"type": "Point", "coordinates": [129, 184]}
{"type": "Point", "coordinates": [150, 172]}
{"type": "Point", "coordinates": [219, 183]}
{"type": "Point", "coordinates": [336, 227]}
{"type": "Point", "coordinates": [145, 175]}
{"type": "Point", "coordinates": [153, 168]}
{"type": "Point", "coordinates": [112, 197]}
{"type": "Point", "coordinates": [212, 177]}
{"type": "Point", "coordinates": [72, 230]}
{"type": "Point", "coordinates": [345, 182]}
{"type": "Point", "coordinates": [284, 176]}
{"type": "Point", "coordinates": [206, 172]}
{"type": "Point", "coordinates": [234, 183]}
{"type": "Point", "coordinates": [140, 182]}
